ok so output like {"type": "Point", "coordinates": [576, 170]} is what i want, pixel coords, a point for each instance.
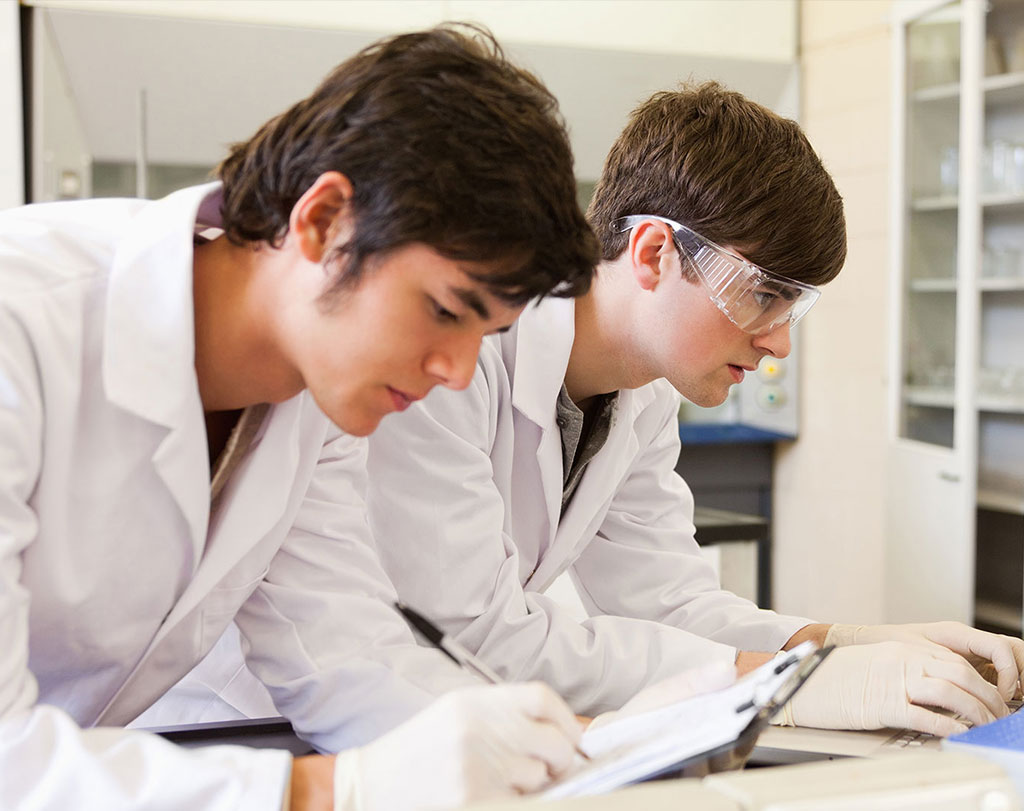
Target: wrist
{"type": "Point", "coordinates": [840, 635]}
{"type": "Point", "coordinates": [312, 784]}
{"type": "Point", "coordinates": [747, 661]}
{"type": "Point", "coordinates": [815, 632]}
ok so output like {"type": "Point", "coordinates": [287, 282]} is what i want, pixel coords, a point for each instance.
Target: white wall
{"type": "Point", "coordinates": [746, 29]}
{"type": "Point", "coordinates": [829, 527]}
{"type": "Point", "coordinates": [211, 82]}
{"type": "Point", "coordinates": [12, 189]}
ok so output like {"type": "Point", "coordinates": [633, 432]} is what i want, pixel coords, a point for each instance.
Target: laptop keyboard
{"type": "Point", "coordinates": [910, 738]}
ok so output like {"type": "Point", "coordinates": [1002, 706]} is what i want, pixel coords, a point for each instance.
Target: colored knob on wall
{"type": "Point", "coordinates": [771, 397]}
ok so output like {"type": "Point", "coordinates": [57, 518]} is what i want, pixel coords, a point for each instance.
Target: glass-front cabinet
{"type": "Point", "coordinates": [956, 521]}
{"type": "Point", "coordinates": [930, 263]}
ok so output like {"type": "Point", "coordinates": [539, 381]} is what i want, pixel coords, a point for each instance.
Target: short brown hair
{"type": "Point", "coordinates": [445, 143]}
{"type": "Point", "coordinates": [733, 171]}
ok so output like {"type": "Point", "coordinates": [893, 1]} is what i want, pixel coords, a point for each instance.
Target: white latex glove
{"type": "Point", "coordinates": [891, 684]}
{"type": "Point", "coordinates": [689, 683]}
{"type": "Point", "coordinates": [987, 652]}
{"type": "Point", "coordinates": [470, 745]}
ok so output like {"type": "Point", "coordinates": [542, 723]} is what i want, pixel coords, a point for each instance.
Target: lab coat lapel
{"type": "Point", "coordinates": [254, 500]}
{"type": "Point", "coordinates": [597, 487]}
{"type": "Point", "coordinates": [149, 347]}
{"type": "Point", "coordinates": [544, 336]}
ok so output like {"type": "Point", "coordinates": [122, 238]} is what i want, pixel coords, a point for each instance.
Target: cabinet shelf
{"type": "Point", "coordinates": [1003, 89]}
{"type": "Point", "coordinates": [944, 202]}
{"type": "Point", "coordinates": [939, 92]}
{"type": "Point", "coordinates": [928, 396]}
{"type": "Point", "coordinates": [1007, 285]}
{"type": "Point", "coordinates": [990, 285]}
{"type": "Point", "coordinates": [933, 397]}
{"type": "Point", "coordinates": [1001, 403]}
{"type": "Point", "coordinates": [1002, 501]}
{"type": "Point", "coordinates": [933, 285]}
{"type": "Point", "coordinates": [1010, 202]}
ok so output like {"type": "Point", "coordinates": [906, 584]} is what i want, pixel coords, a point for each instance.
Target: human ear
{"type": "Point", "coordinates": [651, 252]}
{"type": "Point", "coordinates": [315, 216]}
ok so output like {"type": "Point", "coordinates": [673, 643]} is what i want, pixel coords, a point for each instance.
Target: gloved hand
{"type": "Point", "coordinates": [1000, 659]}
{"type": "Point", "coordinates": [469, 745]}
{"type": "Point", "coordinates": [891, 684]}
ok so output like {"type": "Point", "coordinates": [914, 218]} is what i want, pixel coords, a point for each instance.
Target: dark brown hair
{"type": "Point", "coordinates": [445, 143]}
{"type": "Point", "coordinates": [733, 171]}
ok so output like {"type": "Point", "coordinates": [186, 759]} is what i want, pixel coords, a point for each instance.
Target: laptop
{"type": "Point", "coordinates": [783, 745]}
{"type": "Point", "coordinates": [258, 733]}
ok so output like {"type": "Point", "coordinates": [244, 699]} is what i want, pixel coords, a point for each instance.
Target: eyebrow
{"type": "Point", "coordinates": [472, 300]}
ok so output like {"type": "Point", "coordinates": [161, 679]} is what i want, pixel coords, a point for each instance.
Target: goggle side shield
{"type": "Point", "coordinates": [754, 299]}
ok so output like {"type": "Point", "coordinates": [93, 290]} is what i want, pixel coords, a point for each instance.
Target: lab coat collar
{"type": "Point", "coordinates": [149, 346]}
{"type": "Point", "coordinates": [149, 340]}
{"type": "Point", "coordinates": [543, 340]}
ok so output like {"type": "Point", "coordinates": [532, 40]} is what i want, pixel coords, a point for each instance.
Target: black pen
{"type": "Point", "coordinates": [454, 651]}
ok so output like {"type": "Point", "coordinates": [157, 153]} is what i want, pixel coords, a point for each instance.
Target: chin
{"type": "Point", "coordinates": [354, 422]}
{"type": "Point", "coordinates": [363, 427]}
{"type": "Point", "coordinates": [716, 399]}
{"type": "Point", "coordinates": [706, 399]}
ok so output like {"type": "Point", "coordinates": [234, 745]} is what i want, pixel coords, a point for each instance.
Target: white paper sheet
{"type": "Point", "coordinates": [639, 746]}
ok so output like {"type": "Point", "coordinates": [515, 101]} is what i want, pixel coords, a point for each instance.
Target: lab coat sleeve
{"type": "Point", "coordinates": [46, 760]}
{"type": "Point", "coordinates": [439, 519]}
{"type": "Point", "coordinates": [648, 536]}
{"type": "Point", "coordinates": [321, 632]}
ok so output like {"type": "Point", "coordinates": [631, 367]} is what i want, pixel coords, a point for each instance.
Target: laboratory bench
{"type": "Point", "coordinates": [728, 468]}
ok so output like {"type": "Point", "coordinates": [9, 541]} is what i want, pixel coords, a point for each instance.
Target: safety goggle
{"type": "Point", "coordinates": [754, 299]}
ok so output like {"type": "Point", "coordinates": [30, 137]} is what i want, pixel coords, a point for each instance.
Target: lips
{"type": "Point", "coordinates": [401, 400]}
{"type": "Point", "coordinates": [739, 370]}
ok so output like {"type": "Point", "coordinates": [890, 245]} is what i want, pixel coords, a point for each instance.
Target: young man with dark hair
{"type": "Point", "coordinates": [173, 377]}
{"type": "Point", "coordinates": [717, 221]}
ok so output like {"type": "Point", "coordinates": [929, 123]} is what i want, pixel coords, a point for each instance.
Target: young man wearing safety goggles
{"type": "Point", "coordinates": [717, 221]}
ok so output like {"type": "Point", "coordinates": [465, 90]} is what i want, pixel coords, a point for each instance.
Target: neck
{"type": "Point", "coordinates": [602, 359]}
{"type": "Point", "coordinates": [237, 360]}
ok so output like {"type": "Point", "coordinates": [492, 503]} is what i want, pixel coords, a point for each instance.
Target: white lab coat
{"type": "Point", "coordinates": [468, 527]}
{"type": "Point", "coordinates": [113, 582]}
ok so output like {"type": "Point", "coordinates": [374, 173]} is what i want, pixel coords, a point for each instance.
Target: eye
{"type": "Point", "coordinates": [442, 313]}
{"type": "Point", "coordinates": [765, 298]}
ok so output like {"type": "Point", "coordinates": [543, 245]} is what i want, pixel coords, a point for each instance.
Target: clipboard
{"type": "Point", "coordinates": [706, 733]}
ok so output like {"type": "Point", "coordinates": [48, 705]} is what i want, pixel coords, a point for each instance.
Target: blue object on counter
{"type": "Point", "coordinates": [716, 433]}
{"type": "Point", "coordinates": [1001, 742]}
{"type": "Point", "coordinates": [1005, 733]}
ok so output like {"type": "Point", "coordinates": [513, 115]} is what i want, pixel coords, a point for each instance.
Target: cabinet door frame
{"type": "Point", "coordinates": [930, 514]}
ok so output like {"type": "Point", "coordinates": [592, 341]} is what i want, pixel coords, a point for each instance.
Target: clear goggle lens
{"type": "Point", "coordinates": [754, 299]}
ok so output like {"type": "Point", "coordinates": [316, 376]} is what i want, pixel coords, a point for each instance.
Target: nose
{"type": "Point", "coordinates": [454, 363]}
{"type": "Point", "coordinates": [775, 343]}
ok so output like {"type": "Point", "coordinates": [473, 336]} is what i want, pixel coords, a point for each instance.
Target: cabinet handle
{"type": "Point", "coordinates": [946, 476]}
